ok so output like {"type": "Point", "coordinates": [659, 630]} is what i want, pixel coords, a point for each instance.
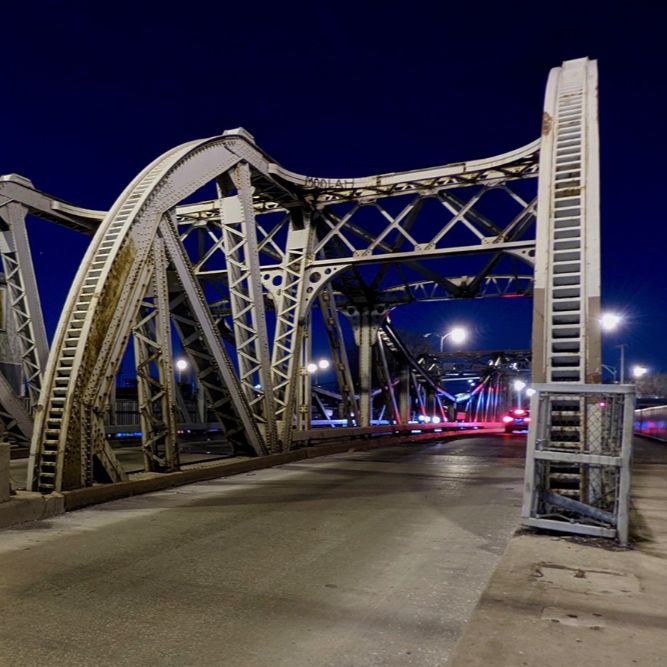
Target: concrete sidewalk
{"type": "Point", "coordinates": [566, 601]}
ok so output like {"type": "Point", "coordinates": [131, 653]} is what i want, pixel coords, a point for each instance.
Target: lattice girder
{"type": "Point", "coordinates": [93, 330]}
{"type": "Point", "coordinates": [24, 304]}
{"type": "Point", "coordinates": [156, 390]}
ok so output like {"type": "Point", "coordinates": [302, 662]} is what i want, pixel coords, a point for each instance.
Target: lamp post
{"type": "Point", "coordinates": [457, 334]}
{"type": "Point", "coordinates": [612, 370]}
{"type": "Point", "coordinates": [622, 347]}
{"type": "Point", "coordinates": [610, 322]}
{"type": "Point", "coordinates": [519, 386]}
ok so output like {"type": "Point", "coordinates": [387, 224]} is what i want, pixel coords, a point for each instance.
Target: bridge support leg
{"type": "Point", "coordinates": [339, 356]}
{"type": "Point", "coordinates": [305, 388]}
{"type": "Point", "coordinates": [366, 323]}
{"type": "Point", "coordinates": [404, 394]}
{"type": "Point", "coordinates": [365, 344]}
{"type": "Point", "coordinates": [156, 388]}
{"type": "Point", "coordinates": [239, 235]}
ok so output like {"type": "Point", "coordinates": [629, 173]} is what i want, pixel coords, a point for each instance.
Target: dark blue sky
{"type": "Point", "coordinates": [93, 91]}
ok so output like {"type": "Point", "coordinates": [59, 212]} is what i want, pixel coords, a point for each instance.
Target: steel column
{"type": "Point", "coordinates": [155, 374]}
{"type": "Point", "coordinates": [23, 297]}
{"type": "Point", "coordinates": [237, 219]}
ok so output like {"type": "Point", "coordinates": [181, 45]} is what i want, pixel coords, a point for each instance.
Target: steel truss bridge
{"type": "Point", "coordinates": [216, 243]}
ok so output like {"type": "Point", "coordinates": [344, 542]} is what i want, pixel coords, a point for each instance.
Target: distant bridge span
{"type": "Point", "coordinates": [218, 244]}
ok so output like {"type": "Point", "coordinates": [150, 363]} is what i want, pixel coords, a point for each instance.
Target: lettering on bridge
{"type": "Point", "coordinates": [327, 183]}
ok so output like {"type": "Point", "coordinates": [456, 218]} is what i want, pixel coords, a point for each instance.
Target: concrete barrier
{"type": "Point", "coordinates": [28, 506]}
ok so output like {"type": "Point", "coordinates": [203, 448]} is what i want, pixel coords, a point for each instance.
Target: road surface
{"type": "Point", "coordinates": [368, 558]}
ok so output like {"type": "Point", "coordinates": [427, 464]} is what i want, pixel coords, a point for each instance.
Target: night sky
{"type": "Point", "coordinates": [92, 92]}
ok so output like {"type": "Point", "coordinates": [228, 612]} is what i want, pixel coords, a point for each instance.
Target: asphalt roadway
{"type": "Point", "coordinates": [367, 558]}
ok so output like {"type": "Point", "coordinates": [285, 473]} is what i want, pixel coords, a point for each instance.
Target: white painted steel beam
{"type": "Point", "coordinates": [566, 328]}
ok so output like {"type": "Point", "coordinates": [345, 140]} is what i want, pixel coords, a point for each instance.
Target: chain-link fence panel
{"type": "Point", "coordinates": [578, 459]}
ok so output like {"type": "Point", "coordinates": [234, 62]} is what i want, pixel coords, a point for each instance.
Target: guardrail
{"type": "Point", "coordinates": [652, 422]}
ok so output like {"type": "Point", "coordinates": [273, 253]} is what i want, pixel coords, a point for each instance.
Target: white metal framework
{"type": "Point", "coordinates": [582, 435]}
{"type": "Point", "coordinates": [240, 274]}
{"type": "Point", "coordinates": [566, 335]}
{"type": "Point", "coordinates": [566, 311]}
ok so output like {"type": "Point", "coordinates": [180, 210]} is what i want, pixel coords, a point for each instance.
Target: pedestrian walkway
{"type": "Point", "coordinates": [564, 601]}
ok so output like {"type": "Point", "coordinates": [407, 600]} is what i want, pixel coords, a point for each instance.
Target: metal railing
{"type": "Point", "coordinates": [577, 476]}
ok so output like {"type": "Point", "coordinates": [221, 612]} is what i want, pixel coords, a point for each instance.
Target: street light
{"type": "Point", "coordinates": [639, 371]}
{"type": "Point", "coordinates": [457, 334]}
{"type": "Point", "coordinates": [610, 321]}
{"type": "Point", "coordinates": [181, 365]}
{"type": "Point", "coordinates": [321, 365]}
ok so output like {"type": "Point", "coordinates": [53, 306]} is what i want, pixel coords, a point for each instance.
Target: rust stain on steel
{"type": "Point", "coordinates": [547, 124]}
{"type": "Point", "coordinates": [75, 451]}
{"type": "Point", "coordinates": [108, 300]}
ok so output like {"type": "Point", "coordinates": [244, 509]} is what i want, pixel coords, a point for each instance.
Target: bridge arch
{"type": "Point", "coordinates": [99, 312]}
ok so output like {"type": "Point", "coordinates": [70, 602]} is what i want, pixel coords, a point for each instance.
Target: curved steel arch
{"type": "Point", "coordinates": [100, 309]}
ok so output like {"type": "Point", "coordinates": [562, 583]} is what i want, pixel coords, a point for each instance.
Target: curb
{"type": "Point", "coordinates": [28, 506]}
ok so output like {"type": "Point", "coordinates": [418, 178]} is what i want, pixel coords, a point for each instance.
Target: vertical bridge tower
{"type": "Point", "coordinates": [566, 307]}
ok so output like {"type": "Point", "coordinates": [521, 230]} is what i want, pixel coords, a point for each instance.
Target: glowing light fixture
{"type": "Point", "coordinates": [458, 334]}
{"type": "Point", "coordinates": [610, 321]}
